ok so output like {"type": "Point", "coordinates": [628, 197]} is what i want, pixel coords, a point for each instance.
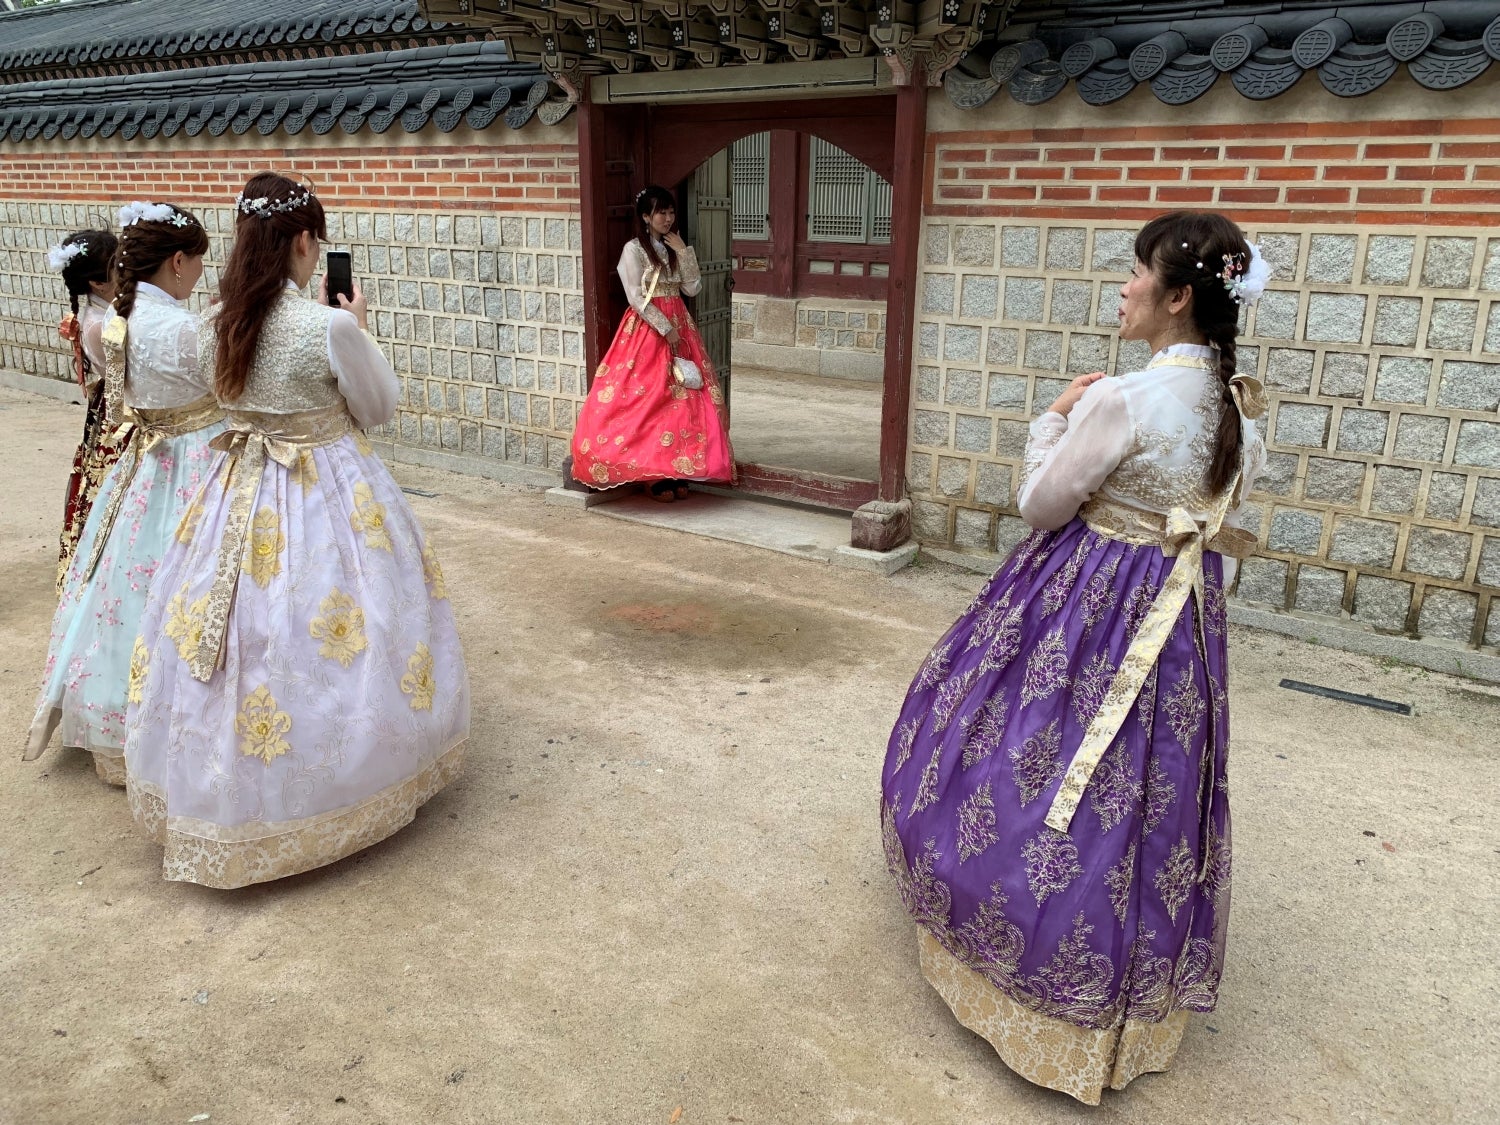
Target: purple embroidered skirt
{"type": "Point", "coordinates": [1076, 954]}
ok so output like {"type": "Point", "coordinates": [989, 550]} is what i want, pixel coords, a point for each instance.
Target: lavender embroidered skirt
{"type": "Point", "coordinates": [1077, 954]}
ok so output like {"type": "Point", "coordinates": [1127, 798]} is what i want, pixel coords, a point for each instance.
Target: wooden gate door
{"type": "Point", "coordinates": [707, 228]}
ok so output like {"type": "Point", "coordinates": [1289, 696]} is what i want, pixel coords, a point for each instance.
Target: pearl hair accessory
{"type": "Point", "coordinates": [264, 207]}
{"type": "Point", "coordinates": [58, 257]}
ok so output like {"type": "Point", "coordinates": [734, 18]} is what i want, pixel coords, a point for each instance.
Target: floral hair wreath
{"type": "Point", "coordinates": [265, 207]}
{"type": "Point", "coordinates": [140, 212]}
{"type": "Point", "coordinates": [1245, 281]}
{"type": "Point", "coordinates": [59, 256]}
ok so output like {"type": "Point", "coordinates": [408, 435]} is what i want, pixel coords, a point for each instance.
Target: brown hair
{"type": "Point", "coordinates": [1193, 249]}
{"type": "Point", "coordinates": [651, 200]}
{"type": "Point", "coordinates": [259, 264]}
{"type": "Point", "coordinates": [146, 244]}
{"type": "Point", "coordinates": [92, 263]}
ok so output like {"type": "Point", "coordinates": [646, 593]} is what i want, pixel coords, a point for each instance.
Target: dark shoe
{"type": "Point", "coordinates": [661, 491]}
{"type": "Point", "coordinates": [680, 487]}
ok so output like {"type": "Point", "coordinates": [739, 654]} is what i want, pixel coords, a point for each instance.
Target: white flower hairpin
{"type": "Point", "coordinates": [141, 212]}
{"type": "Point", "coordinates": [1246, 281]}
{"type": "Point", "coordinates": [59, 256]}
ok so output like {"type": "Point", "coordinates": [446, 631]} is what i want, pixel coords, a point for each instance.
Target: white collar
{"type": "Point", "coordinates": [292, 285]}
{"type": "Point", "coordinates": [1194, 351]}
{"type": "Point", "coordinates": [98, 302]}
{"type": "Point", "coordinates": [155, 293]}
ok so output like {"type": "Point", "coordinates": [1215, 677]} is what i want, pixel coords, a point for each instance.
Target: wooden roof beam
{"type": "Point", "coordinates": [786, 24]}
{"type": "Point", "coordinates": [845, 25]}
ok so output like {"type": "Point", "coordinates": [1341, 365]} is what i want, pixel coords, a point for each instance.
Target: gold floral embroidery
{"type": "Point", "coordinates": [185, 622]}
{"type": "Point", "coordinates": [599, 472]}
{"type": "Point", "coordinates": [305, 471]}
{"type": "Point", "coordinates": [607, 393]}
{"type": "Point", "coordinates": [369, 517]}
{"type": "Point", "coordinates": [585, 445]}
{"type": "Point", "coordinates": [263, 559]}
{"type": "Point", "coordinates": [361, 442]}
{"type": "Point", "coordinates": [191, 518]}
{"type": "Point", "coordinates": [716, 395]}
{"type": "Point", "coordinates": [341, 628]}
{"type": "Point", "coordinates": [418, 682]}
{"type": "Point", "coordinates": [667, 438]}
{"type": "Point", "coordinates": [261, 726]}
{"type": "Point", "coordinates": [432, 573]}
{"type": "Point", "coordinates": [683, 465]}
{"type": "Point", "coordinates": [140, 664]}
{"type": "Point", "coordinates": [601, 370]}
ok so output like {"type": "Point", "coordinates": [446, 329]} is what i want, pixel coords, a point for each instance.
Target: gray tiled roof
{"type": "Point", "coordinates": [1180, 48]}
{"type": "Point", "coordinates": [443, 83]}
{"type": "Point", "coordinates": [155, 31]}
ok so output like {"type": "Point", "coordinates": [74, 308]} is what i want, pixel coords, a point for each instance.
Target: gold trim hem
{"type": "Point", "coordinates": [197, 851]}
{"type": "Point", "coordinates": [1078, 1061]}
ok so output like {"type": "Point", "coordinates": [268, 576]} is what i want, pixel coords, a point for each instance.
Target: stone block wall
{"type": "Point", "coordinates": [476, 297]}
{"type": "Point", "coordinates": [1378, 339]}
{"type": "Point", "coordinates": [811, 335]}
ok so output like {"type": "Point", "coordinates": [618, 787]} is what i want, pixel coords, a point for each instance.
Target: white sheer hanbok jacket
{"type": "Point", "coordinates": [93, 315]}
{"type": "Point", "coordinates": [637, 268]}
{"type": "Point", "coordinates": [1143, 440]}
{"type": "Point", "coordinates": [162, 370]}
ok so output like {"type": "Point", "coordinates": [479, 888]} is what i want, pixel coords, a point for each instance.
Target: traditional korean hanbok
{"type": "Point", "coordinates": [1055, 793]}
{"type": "Point", "coordinates": [298, 690]}
{"type": "Point", "coordinates": [100, 448]}
{"type": "Point", "coordinates": [639, 423]}
{"type": "Point", "coordinates": [153, 379]}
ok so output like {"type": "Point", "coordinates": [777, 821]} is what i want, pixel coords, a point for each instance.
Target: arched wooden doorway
{"type": "Point", "coordinates": [624, 147]}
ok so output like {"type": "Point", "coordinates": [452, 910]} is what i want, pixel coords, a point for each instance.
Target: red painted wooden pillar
{"type": "Point", "coordinates": [901, 297]}
{"type": "Point", "coordinates": [785, 174]}
{"type": "Point", "coordinates": [593, 212]}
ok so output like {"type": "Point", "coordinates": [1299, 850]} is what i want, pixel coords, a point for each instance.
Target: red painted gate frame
{"type": "Point", "coordinates": [622, 148]}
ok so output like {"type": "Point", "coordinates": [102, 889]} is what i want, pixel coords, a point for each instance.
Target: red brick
{"type": "Point", "coordinates": [1131, 155]}
{"type": "Point", "coordinates": [1447, 172]}
{"type": "Point", "coordinates": [965, 155]}
{"type": "Point", "coordinates": [1199, 152]}
{"type": "Point", "coordinates": [1015, 155]}
{"type": "Point", "coordinates": [1463, 151]}
{"type": "Point", "coordinates": [1154, 172]}
{"type": "Point", "coordinates": [1249, 195]}
{"type": "Point", "coordinates": [1185, 194]}
{"type": "Point", "coordinates": [1096, 173]}
{"type": "Point", "coordinates": [1071, 154]}
{"type": "Point", "coordinates": [1470, 197]}
{"type": "Point", "coordinates": [1216, 172]}
{"type": "Point", "coordinates": [1255, 152]}
{"type": "Point", "coordinates": [988, 172]}
{"type": "Point", "coordinates": [1325, 152]}
{"type": "Point", "coordinates": [1124, 194]}
{"type": "Point", "coordinates": [1072, 193]}
{"type": "Point", "coordinates": [1397, 152]}
{"type": "Point", "coordinates": [1317, 195]}
{"type": "Point", "coordinates": [1391, 195]}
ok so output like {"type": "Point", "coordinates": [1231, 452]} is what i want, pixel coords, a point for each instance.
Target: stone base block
{"type": "Point", "coordinates": [880, 525]}
{"type": "Point", "coordinates": [582, 499]}
{"type": "Point", "coordinates": [877, 562]}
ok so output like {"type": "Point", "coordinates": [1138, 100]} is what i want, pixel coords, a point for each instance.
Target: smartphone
{"type": "Point", "coordinates": [340, 277]}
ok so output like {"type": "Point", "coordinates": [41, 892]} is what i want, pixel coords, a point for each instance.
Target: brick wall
{"type": "Point", "coordinates": [1379, 337]}
{"type": "Point", "coordinates": [468, 252]}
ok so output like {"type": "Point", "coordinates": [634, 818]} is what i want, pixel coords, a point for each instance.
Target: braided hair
{"type": "Point", "coordinates": [146, 244]}
{"type": "Point", "coordinates": [91, 264]}
{"type": "Point", "coordinates": [1205, 252]}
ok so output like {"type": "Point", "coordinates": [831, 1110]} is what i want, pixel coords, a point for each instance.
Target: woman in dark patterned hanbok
{"type": "Point", "coordinates": [83, 259]}
{"type": "Point", "coordinates": [1055, 799]}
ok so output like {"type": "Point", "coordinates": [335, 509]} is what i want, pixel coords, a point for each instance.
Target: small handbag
{"type": "Point", "coordinates": [684, 371]}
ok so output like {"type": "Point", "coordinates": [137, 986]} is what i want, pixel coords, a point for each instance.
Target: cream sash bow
{"type": "Point", "coordinates": [250, 439]}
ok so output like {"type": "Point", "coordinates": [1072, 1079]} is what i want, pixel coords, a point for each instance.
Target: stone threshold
{"type": "Point", "coordinates": [789, 529]}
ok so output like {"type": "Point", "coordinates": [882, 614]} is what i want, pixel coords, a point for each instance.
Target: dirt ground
{"type": "Point", "coordinates": [660, 883]}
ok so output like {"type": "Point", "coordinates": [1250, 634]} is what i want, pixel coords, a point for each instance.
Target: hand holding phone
{"type": "Point", "coordinates": [340, 277]}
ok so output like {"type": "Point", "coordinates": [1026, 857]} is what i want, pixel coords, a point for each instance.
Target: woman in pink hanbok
{"type": "Point", "coordinates": [299, 690]}
{"type": "Point", "coordinates": [649, 417]}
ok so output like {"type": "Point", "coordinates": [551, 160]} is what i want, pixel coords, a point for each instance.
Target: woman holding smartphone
{"type": "Point", "coordinates": [650, 416]}
{"type": "Point", "coordinates": [299, 690]}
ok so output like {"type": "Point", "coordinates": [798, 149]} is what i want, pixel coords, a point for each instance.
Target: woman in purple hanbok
{"type": "Point", "coordinates": [1055, 800]}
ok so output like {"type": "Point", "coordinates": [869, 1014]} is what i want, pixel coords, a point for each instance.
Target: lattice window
{"type": "Point", "coordinates": [750, 160]}
{"type": "Point", "coordinates": [846, 201]}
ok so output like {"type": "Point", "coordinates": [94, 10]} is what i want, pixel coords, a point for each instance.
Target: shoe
{"type": "Point", "coordinates": [661, 491]}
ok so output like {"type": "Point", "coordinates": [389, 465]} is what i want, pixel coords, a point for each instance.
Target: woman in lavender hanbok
{"type": "Point", "coordinates": [158, 408]}
{"type": "Point", "coordinates": [299, 690]}
{"type": "Point", "coordinates": [1055, 798]}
